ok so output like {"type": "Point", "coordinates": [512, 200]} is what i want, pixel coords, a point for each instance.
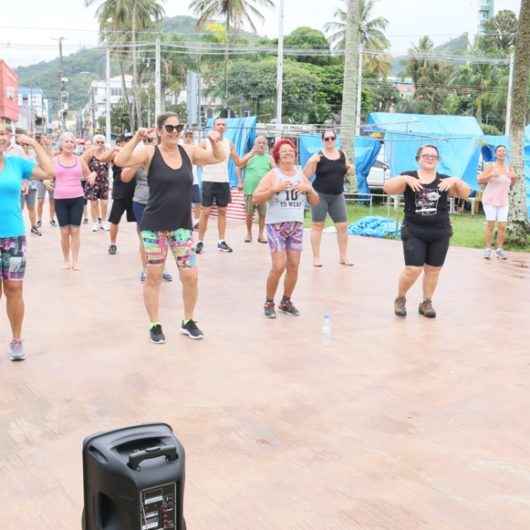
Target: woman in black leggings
{"type": "Point", "coordinates": [426, 230]}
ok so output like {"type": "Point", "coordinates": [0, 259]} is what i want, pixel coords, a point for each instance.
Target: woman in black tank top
{"type": "Point", "coordinates": [426, 230]}
{"type": "Point", "coordinates": [166, 223]}
{"type": "Point", "coordinates": [330, 168]}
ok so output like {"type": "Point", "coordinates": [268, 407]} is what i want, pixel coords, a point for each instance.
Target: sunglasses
{"type": "Point", "coordinates": [329, 138]}
{"type": "Point", "coordinates": [174, 128]}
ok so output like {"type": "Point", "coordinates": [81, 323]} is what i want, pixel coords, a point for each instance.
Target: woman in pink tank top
{"type": "Point", "coordinates": [498, 178]}
{"type": "Point", "coordinates": [69, 169]}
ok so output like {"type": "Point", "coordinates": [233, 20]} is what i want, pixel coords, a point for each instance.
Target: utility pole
{"type": "Point", "coordinates": [509, 102]}
{"type": "Point", "coordinates": [63, 95]}
{"type": "Point", "coordinates": [108, 122]}
{"type": "Point", "coordinates": [158, 81]}
{"type": "Point", "coordinates": [359, 93]}
{"type": "Point", "coordinates": [279, 69]}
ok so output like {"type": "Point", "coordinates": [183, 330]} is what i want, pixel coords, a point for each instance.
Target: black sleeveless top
{"type": "Point", "coordinates": [121, 190]}
{"type": "Point", "coordinates": [330, 175]}
{"type": "Point", "coordinates": [429, 207]}
{"type": "Point", "coordinates": [170, 193]}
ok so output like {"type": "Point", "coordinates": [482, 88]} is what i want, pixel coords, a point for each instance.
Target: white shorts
{"type": "Point", "coordinates": [496, 213]}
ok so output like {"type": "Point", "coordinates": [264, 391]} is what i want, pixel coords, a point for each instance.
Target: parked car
{"type": "Point", "coordinates": [379, 173]}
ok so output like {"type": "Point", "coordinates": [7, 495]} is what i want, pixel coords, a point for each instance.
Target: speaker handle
{"type": "Point", "coordinates": [136, 458]}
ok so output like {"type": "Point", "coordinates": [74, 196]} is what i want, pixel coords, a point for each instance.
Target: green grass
{"type": "Point", "coordinates": [468, 230]}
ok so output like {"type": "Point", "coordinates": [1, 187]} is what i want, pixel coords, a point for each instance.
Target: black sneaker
{"type": "Point", "coordinates": [269, 310]}
{"type": "Point", "coordinates": [113, 249]}
{"type": "Point", "coordinates": [157, 335]}
{"type": "Point", "coordinates": [53, 223]}
{"type": "Point", "coordinates": [35, 231]}
{"type": "Point", "coordinates": [191, 330]}
{"type": "Point", "coordinates": [39, 224]}
{"type": "Point", "coordinates": [288, 308]}
{"type": "Point", "coordinates": [199, 247]}
{"type": "Point", "coordinates": [85, 221]}
{"type": "Point", "coordinates": [223, 247]}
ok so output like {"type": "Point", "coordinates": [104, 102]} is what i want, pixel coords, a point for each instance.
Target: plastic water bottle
{"type": "Point", "coordinates": [326, 326]}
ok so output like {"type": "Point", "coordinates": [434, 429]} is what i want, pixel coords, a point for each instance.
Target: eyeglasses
{"type": "Point", "coordinates": [329, 139]}
{"type": "Point", "coordinates": [174, 128]}
{"type": "Point", "coordinates": [100, 143]}
{"type": "Point", "coordinates": [429, 157]}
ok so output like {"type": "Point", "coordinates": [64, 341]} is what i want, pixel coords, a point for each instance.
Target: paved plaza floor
{"type": "Point", "coordinates": [387, 425]}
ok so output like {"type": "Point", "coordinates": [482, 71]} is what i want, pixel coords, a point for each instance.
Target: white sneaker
{"type": "Point", "coordinates": [95, 227]}
{"type": "Point", "coordinates": [105, 226]}
{"type": "Point", "coordinates": [501, 254]}
{"type": "Point", "coordinates": [487, 253]}
{"type": "Point", "coordinates": [16, 351]}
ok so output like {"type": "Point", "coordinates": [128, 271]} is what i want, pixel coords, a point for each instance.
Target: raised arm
{"type": "Point", "coordinates": [306, 187]}
{"type": "Point", "coordinates": [44, 168]}
{"type": "Point", "coordinates": [513, 175]}
{"type": "Point", "coordinates": [268, 186]}
{"type": "Point", "coordinates": [240, 162]}
{"type": "Point", "coordinates": [311, 166]}
{"type": "Point", "coordinates": [202, 156]}
{"type": "Point", "coordinates": [486, 175]}
{"type": "Point", "coordinates": [129, 173]}
{"type": "Point", "coordinates": [129, 155]}
{"type": "Point", "coordinates": [395, 185]}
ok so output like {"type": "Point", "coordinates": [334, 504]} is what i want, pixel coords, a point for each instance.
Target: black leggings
{"type": "Point", "coordinates": [69, 211]}
{"type": "Point", "coordinates": [425, 246]}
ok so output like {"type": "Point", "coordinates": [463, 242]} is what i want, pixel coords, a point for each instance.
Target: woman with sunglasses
{"type": "Point", "coordinates": [498, 178]}
{"type": "Point", "coordinates": [167, 223]}
{"type": "Point", "coordinates": [330, 167]}
{"type": "Point", "coordinates": [426, 230]}
{"type": "Point", "coordinates": [98, 159]}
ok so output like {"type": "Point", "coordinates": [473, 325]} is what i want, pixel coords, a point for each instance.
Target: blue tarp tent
{"type": "Point", "coordinates": [366, 151]}
{"type": "Point", "coordinates": [457, 138]}
{"type": "Point", "coordinates": [242, 133]}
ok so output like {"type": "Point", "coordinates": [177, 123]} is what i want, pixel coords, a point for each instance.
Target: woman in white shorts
{"type": "Point", "coordinates": [498, 177]}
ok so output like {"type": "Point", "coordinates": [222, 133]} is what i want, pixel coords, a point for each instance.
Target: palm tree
{"type": "Point", "coordinates": [372, 37]}
{"type": "Point", "coordinates": [417, 63]}
{"type": "Point", "coordinates": [235, 12]}
{"type": "Point", "coordinates": [518, 217]}
{"type": "Point", "coordinates": [128, 17]}
{"type": "Point", "coordinates": [349, 89]}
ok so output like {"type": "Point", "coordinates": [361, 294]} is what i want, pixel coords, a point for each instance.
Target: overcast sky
{"type": "Point", "coordinates": [28, 27]}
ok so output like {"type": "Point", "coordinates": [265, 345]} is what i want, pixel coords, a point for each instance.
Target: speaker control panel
{"type": "Point", "coordinates": [158, 507]}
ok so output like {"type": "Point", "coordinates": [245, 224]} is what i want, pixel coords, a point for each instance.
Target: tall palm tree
{"type": "Point", "coordinates": [372, 36]}
{"type": "Point", "coordinates": [128, 17]}
{"type": "Point", "coordinates": [349, 89]}
{"type": "Point", "coordinates": [235, 12]}
{"type": "Point", "coordinates": [417, 63]}
{"type": "Point", "coordinates": [518, 217]}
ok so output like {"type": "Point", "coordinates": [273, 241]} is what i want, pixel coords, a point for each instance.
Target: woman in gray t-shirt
{"type": "Point", "coordinates": [286, 189]}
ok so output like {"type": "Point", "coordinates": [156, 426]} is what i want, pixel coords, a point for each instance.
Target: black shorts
{"type": "Point", "coordinates": [69, 211]}
{"type": "Point", "coordinates": [196, 194]}
{"type": "Point", "coordinates": [425, 246]}
{"type": "Point", "coordinates": [216, 192]}
{"type": "Point", "coordinates": [119, 206]}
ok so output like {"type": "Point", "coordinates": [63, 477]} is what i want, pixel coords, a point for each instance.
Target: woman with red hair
{"type": "Point", "coordinates": [285, 188]}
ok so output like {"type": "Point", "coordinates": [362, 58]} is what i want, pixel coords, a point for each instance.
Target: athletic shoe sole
{"type": "Point", "coordinates": [287, 313]}
{"type": "Point", "coordinates": [224, 250]}
{"type": "Point", "coordinates": [17, 359]}
{"type": "Point", "coordinates": [157, 342]}
{"type": "Point", "coordinates": [188, 334]}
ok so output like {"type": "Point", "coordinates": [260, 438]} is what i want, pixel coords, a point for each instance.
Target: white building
{"type": "Point", "coordinates": [97, 100]}
{"type": "Point", "coordinates": [33, 109]}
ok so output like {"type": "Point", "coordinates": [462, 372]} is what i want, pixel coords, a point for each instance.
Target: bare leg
{"type": "Point", "coordinates": [490, 225]}
{"type": "Point", "coordinates": [293, 264]}
{"type": "Point", "coordinates": [430, 281]}
{"type": "Point", "coordinates": [65, 246]}
{"type": "Point", "coordinates": [221, 223]}
{"type": "Point", "coordinates": [190, 291]}
{"type": "Point", "coordinates": [261, 235]}
{"type": "Point", "coordinates": [316, 238]}
{"type": "Point", "coordinates": [501, 234]}
{"type": "Point", "coordinates": [40, 208]}
{"type": "Point", "coordinates": [15, 306]}
{"type": "Point", "coordinates": [32, 213]}
{"type": "Point", "coordinates": [249, 218]}
{"type": "Point", "coordinates": [113, 233]}
{"type": "Point", "coordinates": [203, 223]}
{"type": "Point", "coordinates": [407, 279]}
{"type": "Point", "coordinates": [52, 208]}
{"type": "Point", "coordinates": [103, 209]}
{"type": "Point", "coordinates": [279, 261]}
{"type": "Point", "coordinates": [75, 243]}
{"type": "Point", "coordinates": [143, 257]}
{"type": "Point", "coordinates": [342, 240]}
{"type": "Point", "coordinates": [152, 291]}
{"type": "Point", "coordinates": [94, 211]}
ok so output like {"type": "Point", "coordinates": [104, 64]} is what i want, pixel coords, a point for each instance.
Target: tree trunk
{"type": "Point", "coordinates": [349, 90]}
{"type": "Point", "coordinates": [130, 106]}
{"type": "Point", "coordinates": [518, 227]}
